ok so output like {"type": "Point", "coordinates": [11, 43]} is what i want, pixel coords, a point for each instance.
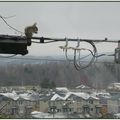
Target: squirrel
{"type": "Point", "coordinates": [30, 30]}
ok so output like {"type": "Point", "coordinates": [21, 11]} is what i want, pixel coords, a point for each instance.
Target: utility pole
{"type": "Point", "coordinates": [117, 53]}
{"type": "Point", "coordinates": [117, 60]}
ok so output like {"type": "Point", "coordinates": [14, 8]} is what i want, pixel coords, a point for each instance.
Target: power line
{"type": "Point", "coordinates": [8, 56]}
{"type": "Point", "coordinates": [3, 18]}
{"type": "Point", "coordinates": [72, 39]}
{"type": "Point", "coordinates": [8, 16]}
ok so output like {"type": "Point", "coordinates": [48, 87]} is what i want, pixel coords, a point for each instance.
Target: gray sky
{"type": "Point", "coordinates": [89, 20]}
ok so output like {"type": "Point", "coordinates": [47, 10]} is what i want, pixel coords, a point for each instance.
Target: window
{"type": "Point", "coordinates": [13, 110]}
{"type": "Point", "coordinates": [97, 110]}
{"type": "Point", "coordinates": [53, 109]}
{"type": "Point", "coordinates": [91, 109]}
{"type": "Point", "coordinates": [91, 101]}
{"type": "Point", "coordinates": [86, 109]}
{"type": "Point", "coordinates": [65, 110]}
{"type": "Point", "coordinates": [119, 109]}
{"type": "Point", "coordinates": [58, 110]}
{"type": "Point", "coordinates": [70, 109]}
{"type": "Point", "coordinates": [20, 101]}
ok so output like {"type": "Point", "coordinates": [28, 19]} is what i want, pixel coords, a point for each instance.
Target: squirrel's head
{"type": "Point", "coordinates": [35, 28]}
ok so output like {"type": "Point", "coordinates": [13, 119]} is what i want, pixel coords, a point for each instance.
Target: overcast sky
{"type": "Point", "coordinates": [89, 20]}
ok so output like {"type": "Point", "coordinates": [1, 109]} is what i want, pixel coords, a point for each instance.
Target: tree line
{"type": "Point", "coordinates": [53, 74]}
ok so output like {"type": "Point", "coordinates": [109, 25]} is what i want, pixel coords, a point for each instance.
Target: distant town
{"type": "Point", "coordinates": [60, 102]}
{"type": "Point", "coordinates": [35, 88]}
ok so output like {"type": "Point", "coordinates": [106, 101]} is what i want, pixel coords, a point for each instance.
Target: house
{"type": "Point", "coordinates": [114, 88]}
{"type": "Point", "coordinates": [80, 103]}
{"type": "Point", "coordinates": [62, 90]}
{"type": "Point", "coordinates": [82, 88]}
{"type": "Point", "coordinates": [56, 103]}
{"type": "Point", "coordinates": [114, 104]}
{"type": "Point", "coordinates": [8, 104]}
{"type": "Point", "coordinates": [103, 100]}
{"type": "Point", "coordinates": [94, 106]}
{"type": "Point", "coordinates": [21, 106]}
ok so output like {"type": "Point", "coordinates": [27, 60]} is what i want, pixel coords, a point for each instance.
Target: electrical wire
{"type": "Point", "coordinates": [77, 65]}
{"type": "Point", "coordinates": [80, 67]}
{"type": "Point", "coordinates": [8, 16]}
{"type": "Point", "coordinates": [8, 56]}
{"type": "Point", "coordinates": [10, 25]}
{"type": "Point", "coordinates": [93, 53]}
{"type": "Point", "coordinates": [45, 42]}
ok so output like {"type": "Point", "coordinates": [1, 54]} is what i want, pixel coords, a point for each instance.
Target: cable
{"type": "Point", "coordinates": [10, 25]}
{"type": "Point", "coordinates": [8, 56]}
{"type": "Point", "coordinates": [78, 66]}
{"type": "Point", "coordinates": [85, 56]}
{"type": "Point", "coordinates": [93, 53]}
{"type": "Point", "coordinates": [8, 16]}
{"type": "Point", "coordinates": [45, 42]}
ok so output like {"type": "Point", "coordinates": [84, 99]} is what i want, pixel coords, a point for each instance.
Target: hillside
{"type": "Point", "coordinates": [33, 71]}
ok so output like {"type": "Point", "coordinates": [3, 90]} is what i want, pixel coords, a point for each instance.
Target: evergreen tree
{"type": "Point", "coordinates": [52, 85]}
{"type": "Point", "coordinates": [45, 83]}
